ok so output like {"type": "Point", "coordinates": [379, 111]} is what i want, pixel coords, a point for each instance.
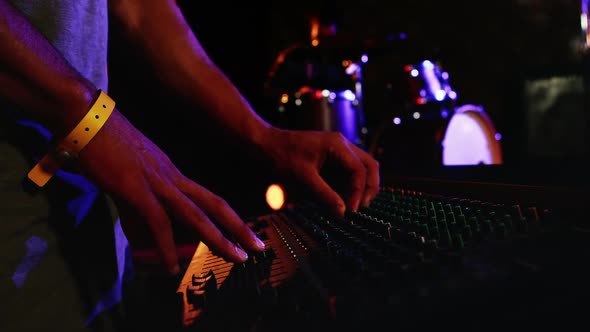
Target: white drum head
{"type": "Point", "coordinates": [471, 139]}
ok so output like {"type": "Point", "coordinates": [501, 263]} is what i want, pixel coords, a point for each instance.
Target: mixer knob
{"type": "Point", "coordinates": [202, 289]}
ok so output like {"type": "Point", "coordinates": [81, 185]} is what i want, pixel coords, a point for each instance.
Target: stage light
{"type": "Point", "coordinates": [440, 95]}
{"type": "Point", "coordinates": [285, 98]}
{"type": "Point", "coordinates": [348, 95]}
{"type": "Point", "coordinates": [275, 196]}
{"type": "Point", "coordinates": [428, 65]}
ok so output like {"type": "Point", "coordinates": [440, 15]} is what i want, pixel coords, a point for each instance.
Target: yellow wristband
{"type": "Point", "coordinates": [77, 139]}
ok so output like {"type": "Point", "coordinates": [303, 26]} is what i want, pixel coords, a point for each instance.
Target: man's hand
{"type": "Point", "coordinates": [151, 193]}
{"type": "Point", "coordinates": [303, 154]}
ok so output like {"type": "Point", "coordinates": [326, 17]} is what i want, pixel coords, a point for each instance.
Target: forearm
{"type": "Point", "coordinates": [35, 78]}
{"type": "Point", "coordinates": [182, 64]}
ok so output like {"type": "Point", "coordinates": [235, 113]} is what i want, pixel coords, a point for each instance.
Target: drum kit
{"type": "Point", "coordinates": [424, 125]}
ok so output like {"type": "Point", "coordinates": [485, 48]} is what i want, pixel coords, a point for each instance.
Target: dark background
{"type": "Point", "coordinates": [482, 44]}
{"type": "Point", "coordinates": [487, 47]}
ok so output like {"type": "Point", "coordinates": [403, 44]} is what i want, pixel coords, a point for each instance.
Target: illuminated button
{"type": "Point", "coordinates": [275, 196]}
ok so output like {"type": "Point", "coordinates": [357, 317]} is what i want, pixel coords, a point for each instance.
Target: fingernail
{"type": "Point", "coordinates": [259, 244]}
{"type": "Point", "coordinates": [241, 253]}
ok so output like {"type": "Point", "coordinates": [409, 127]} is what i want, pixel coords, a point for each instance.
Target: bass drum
{"type": "Point", "coordinates": [464, 136]}
{"type": "Point", "coordinates": [471, 139]}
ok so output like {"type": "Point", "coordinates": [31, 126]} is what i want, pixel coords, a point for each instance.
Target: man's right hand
{"type": "Point", "coordinates": [150, 193]}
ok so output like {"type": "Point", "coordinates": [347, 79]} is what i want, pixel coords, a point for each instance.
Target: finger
{"type": "Point", "coordinates": [150, 209]}
{"type": "Point", "coordinates": [324, 192]}
{"type": "Point", "coordinates": [141, 241]}
{"type": "Point", "coordinates": [186, 211]}
{"type": "Point", "coordinates": [223, 215]}
{"type": "Point", "coordinates": [349, 160]}
{"type": "Point", "coordinates": [372, 178]}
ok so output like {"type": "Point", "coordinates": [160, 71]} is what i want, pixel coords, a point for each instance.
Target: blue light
{"type": "Point", "coordinates": [427, 64]}
{"type": "Point", "coordinates": [348, 95]}
{"type": "Point", "coordinates": [440, 95]}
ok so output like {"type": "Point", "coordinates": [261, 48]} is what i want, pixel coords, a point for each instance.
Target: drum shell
{"type": "Point", "coordinates": [337, 112]}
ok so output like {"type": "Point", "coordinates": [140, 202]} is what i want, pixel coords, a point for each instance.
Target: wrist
{"type": "Point", "coordinates": [274, 142]}
{"type": "Point", "coordinates": [264, 138]}
{"type": "Point", "coordinates": [69, 147]}
{"type": "Point", "coordinates": [70, 105]}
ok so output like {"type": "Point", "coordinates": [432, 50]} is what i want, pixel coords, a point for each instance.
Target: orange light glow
{"type": "Point", "coordinates": [315, 28]}
{"type": "Point", "coordinates": [275, 196]}
{"type": "Point", "coordinates": [315, 42]}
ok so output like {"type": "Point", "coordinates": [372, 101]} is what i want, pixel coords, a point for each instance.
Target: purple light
{"type": "Point", "coordinates": [36, 249]}
{"type": "Point", "coordinates": [452, 95]}
{"type": "Point", "coordinates": [498, 136]}
{"type": "Point", "coordinates": [364, 58]}
{"type": "Point", "coordinates": [124, 268]}
{"type": "Point", "coordinates": [414, 73]}
{"type": "Point", "coordinates": [348, 95]}
{"type": "Point", "coordinates": [337, 115]}
{"type": "Point", "coordinates": [444, 114]}
{"type": "Point", "coordinates": [427, 64]}
{"type": "Point", "coordinates": [440, 95]}
{"type": "Point", "coordinates": [403, 35]}
{"type": "Point", "coordinates": [432, 81]}
{"type": "Point", "coordinates": [352, 68]}
{"type": "Point", "coordinates": [397, 121]}
{"type": "Point", "coordinates": [465, 142]}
